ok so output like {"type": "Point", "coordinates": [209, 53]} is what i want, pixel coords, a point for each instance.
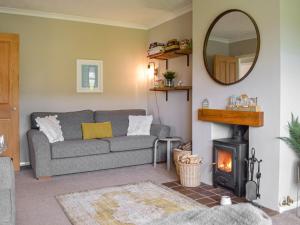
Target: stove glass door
{"type": "Point", "coordinates": [224, 160]}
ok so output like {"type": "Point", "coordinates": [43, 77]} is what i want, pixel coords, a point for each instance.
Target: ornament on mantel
{"type": "Point", "coordinates": [205, 104]}
{"type": "Point", "coordinates": [243, 103]}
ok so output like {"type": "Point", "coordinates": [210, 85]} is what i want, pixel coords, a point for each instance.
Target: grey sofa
{"type": "Point", "coordinates": [77, 155]}
{"type": "Point", "coordinates": [7, 192]}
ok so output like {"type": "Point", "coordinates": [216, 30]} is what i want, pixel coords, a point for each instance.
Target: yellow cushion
{"type": "Point", "coordinates": [96, 130]}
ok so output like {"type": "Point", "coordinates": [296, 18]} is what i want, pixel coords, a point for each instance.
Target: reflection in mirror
{"type": "Point", "coordinates": [231, 47]}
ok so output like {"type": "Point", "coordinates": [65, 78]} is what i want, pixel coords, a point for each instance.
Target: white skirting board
{"type": "Point", "coordinates": [24, 163]}
{"type": "Point", "coordinates": [286, 208]}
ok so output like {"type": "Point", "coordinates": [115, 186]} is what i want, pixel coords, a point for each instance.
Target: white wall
{"type": "Point", "coordinates": [263, 82]}
{"type": "Point", "coordinates": [290, 95]}
{"type": "Point", "coordinates": [176, 112]}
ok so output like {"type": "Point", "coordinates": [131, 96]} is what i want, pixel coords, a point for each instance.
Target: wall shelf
{"type": "Point", "coordinates": [173, 54]}
{"type": "Point", "coordinates": [252, 119]}
{"type": "Point", "coordinates": [179, 88]}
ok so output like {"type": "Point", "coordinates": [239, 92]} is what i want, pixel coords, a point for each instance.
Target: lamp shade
{"type": "Point", "coordinates": [151, 70]}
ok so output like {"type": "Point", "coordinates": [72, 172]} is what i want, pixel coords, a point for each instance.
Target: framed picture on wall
{"type": "Point", "coordinates": [89, 76]}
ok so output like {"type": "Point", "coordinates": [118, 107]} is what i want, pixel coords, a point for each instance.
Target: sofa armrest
{"type": "Point", "coordinates": [40, 153]}
{"type": "Point", "coordinates": [7, 192]}
{"type": "Point", "coordinates": [160, 131]}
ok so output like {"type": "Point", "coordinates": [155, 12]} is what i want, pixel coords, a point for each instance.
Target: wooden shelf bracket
{"type": "Point", "coordinates": [187, 60]}
{"type": "Point", "coordinates": [187, 95]}
{"type": "Point", "coordinates": [187, 57]}
{"type": "Point", "coordinates": [173, 54]}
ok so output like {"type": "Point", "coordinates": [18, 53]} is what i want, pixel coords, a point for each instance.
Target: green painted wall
{"type": "Point", "coordinates": [48, 52]}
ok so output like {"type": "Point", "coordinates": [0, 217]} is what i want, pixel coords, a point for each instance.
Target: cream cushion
{"type": "Point", "coordinates": [139, 125]}
{"type": "Point", "coordinates": [50, 126]}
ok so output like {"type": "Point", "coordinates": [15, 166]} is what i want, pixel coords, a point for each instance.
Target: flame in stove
{"type": "Point", "coordinates": [224, 161]}
{"type": "Point", "coordinates": [226, 166]}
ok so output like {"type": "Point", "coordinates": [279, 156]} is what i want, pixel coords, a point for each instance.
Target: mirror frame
{"type": "Point", "coordinates": [207, 38]}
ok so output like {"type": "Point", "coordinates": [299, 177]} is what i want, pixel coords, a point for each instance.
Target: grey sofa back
{"type": "Point", "coordinates": [70, 122]}
{"type": "Point", "coordinates": [118, 118]}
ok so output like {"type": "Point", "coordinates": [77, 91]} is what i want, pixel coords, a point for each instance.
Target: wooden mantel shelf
{"type": "Point", "coordinates": [252, 119]}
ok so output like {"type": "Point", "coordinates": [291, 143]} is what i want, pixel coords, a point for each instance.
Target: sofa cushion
{"type": "Point", "coordinates": [76, 148]}
{"type": "Point", "coordinates": [96, 130]}
{"type": "Point", "coordinates": [70, 122]}
{"type": "Point", "coordinates": [118, 119]}
{"type": "Point", "coordinates": [125, 143]}
{"type": "Point", "coordinates": [51, 127]}
{"type": "Point", "coordinates": [139, 125]}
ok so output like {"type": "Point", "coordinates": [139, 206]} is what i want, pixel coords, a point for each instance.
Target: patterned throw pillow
{"type": "Point", "coordinates": [50, 126]}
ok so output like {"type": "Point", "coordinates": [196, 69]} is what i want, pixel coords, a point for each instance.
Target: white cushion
{"type": "Point", "coordinates": [139, 125]}
{"type": "Point", "coordinates": [50, 126]}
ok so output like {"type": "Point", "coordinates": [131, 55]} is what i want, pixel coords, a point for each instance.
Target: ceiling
{"type": "Point", "coordinates": [233, 27]}
{"type": "Point", "coordinates": [142, 14]}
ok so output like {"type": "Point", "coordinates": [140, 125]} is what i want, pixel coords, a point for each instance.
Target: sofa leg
{"type": "Point", "coordinates": [44, 178]}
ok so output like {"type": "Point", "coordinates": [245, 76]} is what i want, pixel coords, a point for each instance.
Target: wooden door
{"type": "Point", "coordinates": [9, 95]}
{"type": "Point", "coordinates": [225, 68]}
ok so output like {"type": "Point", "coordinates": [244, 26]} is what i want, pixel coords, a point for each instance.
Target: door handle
{"type": "Point", "coordinates": [14, 109]}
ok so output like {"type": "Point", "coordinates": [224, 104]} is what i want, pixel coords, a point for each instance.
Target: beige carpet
{"type": "Point", "coordinates": [35, 199]}
{"type": "Point", "coordinates": [132, 204]}
{"type": "Point", "coordinates": [36, 203]}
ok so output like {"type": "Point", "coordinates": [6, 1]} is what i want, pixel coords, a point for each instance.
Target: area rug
{"type": "Point", "coordinates": [133, 204]}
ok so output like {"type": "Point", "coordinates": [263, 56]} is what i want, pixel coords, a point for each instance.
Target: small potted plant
{"type": "Point", "coordinates": [169, 78]}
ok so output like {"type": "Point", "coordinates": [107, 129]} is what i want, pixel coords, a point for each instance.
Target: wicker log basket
{"type": "Point", "coordinates": [177, 153]}
{"type": "Point", "coordinates": [187, 165]}
{"type": "Point", "coordinates": [183, 149]}
{"type": "Point", "coordinates": [189, 171]}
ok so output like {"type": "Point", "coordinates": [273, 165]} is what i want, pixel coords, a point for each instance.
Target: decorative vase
{"type": "Point", "coordinates": [169, 82]}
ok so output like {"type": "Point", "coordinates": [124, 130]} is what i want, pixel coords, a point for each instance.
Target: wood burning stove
{"type": "Point", "coordinates": [230, 167]}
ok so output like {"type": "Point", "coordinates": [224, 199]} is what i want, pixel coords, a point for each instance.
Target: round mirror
{"type": "Point", "coordinates": [231, 47]}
